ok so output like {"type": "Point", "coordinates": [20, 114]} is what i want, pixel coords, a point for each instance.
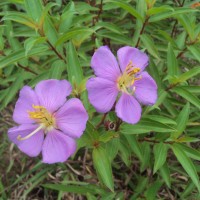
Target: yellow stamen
{"type": "Point", "coordinates": [43, 117]}
{"type": "Point", "coordinates": [126, 81]}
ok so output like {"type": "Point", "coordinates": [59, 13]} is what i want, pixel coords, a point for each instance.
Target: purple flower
{"type": "Point", "coordinates": [48, 122]}
{"type": "Point", "coordinates": [129, 80]}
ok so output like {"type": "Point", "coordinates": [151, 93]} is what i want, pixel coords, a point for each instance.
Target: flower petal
{"type": "Point", "coordinates": [57, 147]}
{"type": "Point", "coordinates": [105, 64]}
{"type": "Point", "coordinates": [146, 89]}
{"type": "Point", "coordinates": [102, 93]}
{"type": "Point", "coordinates": [128, 109]}
{"type": "Point", "coordinates": [27, 98]}
{"type": "Point", "coordinates": [31, 146]}
{"type": "Point", "coordinates": [71, 118]}
{"type": "Point", "coordinates": [52, 93]}
{"type": "Point", "coordinates": [127, 54]}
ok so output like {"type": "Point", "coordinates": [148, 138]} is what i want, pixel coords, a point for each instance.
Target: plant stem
{"type": "Point", "coordinates": [142, 30]}
{"type": "Point", "coordinates": [27, 69]}
{"type": "Point", "coordinates": [56, 52]}
{"type": "Point", "coordinates": [102, 120]}
{"type": "Point", "coordinates": [145, 139]}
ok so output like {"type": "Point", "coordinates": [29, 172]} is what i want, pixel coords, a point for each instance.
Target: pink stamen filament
{"type": "Point", "coordinates": [19, 137]}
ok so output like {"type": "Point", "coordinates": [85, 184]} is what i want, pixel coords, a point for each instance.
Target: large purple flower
{"type": "Point", "coordinates": [48, 122]}
{"type": "Point", "coordinates": [127, 81]}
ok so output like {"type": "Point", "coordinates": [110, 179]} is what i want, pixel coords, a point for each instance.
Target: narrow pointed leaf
{"type": "Point", "coordinates": [73, 65]}
{"type": "Point", "coordinates": [103, 167]}
{"type": "Point", "coordinates": [160, 155]}
{"type": "Point", "coordinates": [182, 120]}
{"type": "Point", "coordinates": [187, 164]}
{"type": "Point", "coordinates": [188, 96]}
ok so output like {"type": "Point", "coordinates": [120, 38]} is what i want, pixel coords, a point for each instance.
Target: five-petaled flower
{"type": "Point", "coordinates": [127, 81]}
{"type": "Point", "coordinates": [48, 122]}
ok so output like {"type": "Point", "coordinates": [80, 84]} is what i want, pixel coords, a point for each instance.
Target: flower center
{"type": "Point", "coordinates": [42, 116]}
{"type": "Point", "coordinates": [126, 80]}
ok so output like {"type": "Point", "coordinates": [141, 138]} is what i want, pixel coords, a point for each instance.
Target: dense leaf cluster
{"type": "Point", "coordinates": [158, 158]}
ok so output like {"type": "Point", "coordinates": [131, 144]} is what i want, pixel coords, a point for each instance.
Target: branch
{"type": "Point", "coordinates": [56, 52]}
{"type": "Point", "coordinates": [142, 30]}
{"type": "Point", "coordinates": [27, 69]}
{"type": "Point", "coordinates": [145, 139]}
{"type": "Point", "coordinates": [102, 121]}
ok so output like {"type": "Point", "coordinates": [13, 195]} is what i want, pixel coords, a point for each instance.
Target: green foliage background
{"type": "Point", "coordinates": [158, 158]}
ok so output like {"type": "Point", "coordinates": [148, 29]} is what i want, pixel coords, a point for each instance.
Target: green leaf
{"type": "Point", "coordinates": [146, 126]}
{"type": "Point", "coordinates": [162, 95]}
{"type": "Point", "coordinates": [120, 38]}
{"type": "Point", "coordinates": [73, 65]}
{"type": "Point", "coordinates": [90, 137]}
{"type": "Point", "coordinates": [2, 191]}
{"type": "Point", "coordinates": [192, 88]}
{"type": "Point", "coordinates": [185, 139]}
{"type": "Point", "coordinates": [83, 189]}
{"type": "Point", "coordinates": [150, 45]}
{"type": "Point", "coordinates": [107, 136]}
{"type": "Point", "coordinates": [172, 64]}
{"type": "Point", "coordinates": [20, 54]}
{"type": "Point", "coordinates": [57, 69]}
{"type": "Point", "coordinates": [165, 173]}
{"type": "Point", "coordinates": [142, 183]}
{"type": "Point", "coordinates": [20, 18]}
{"type": "Point", "coordinates": [153, 190]}
{"type": "Point", "coordinates": [161, 9]}
{"type": "Point", "coordinates": [72, 33]}
{"type": "Point", "coordinates": [31, 42]}
{"type": "Point", "coordinates": [192, 153]}
{"type": "Point", "coordinates": [188, 25]}
{"type": "Point", "coordinates": [187, 75]}
{"type": "Point", "coordinates": [13, 89]}
{"type": "Point", "coordinates": [50, 31]}
{"type": "Point", "coordinates": [168, 14]}
{"type": "Point", "coordinates": [181, 121]}
{"type": "Point", "coordinates": [33, 9]}
{"type": "Point", "coordinates": [45, 12]}
{"type": "Point", "coordinates": [108, 25]}
{"type": "Point", "coordinates": [194, 50]}
{"type": "Point", "coordinates": [67, 17]}
{"type": "Point", "coordinates": [160, 155]}
{"type": "Point", "coordinates": [125, 152]}
{"type": "Point", "coordinates": [186, 163]}
{"type": "Point", "coordinates": [128, 8]}
{"type": "Point", "coordinates": [135, 146]}
{"type": "Point", "coordinates": [188, 96]}
{"type": "Point", "coordinates": [37, 79]}
{"type": "Point", "coordinates": [103, 166]}
{"type": "Point", "coordinates": [146, 155]}
{"type": "Point", "coordinates": [161, 119]}
{"type": "Point", "coordinates": [112, 148]}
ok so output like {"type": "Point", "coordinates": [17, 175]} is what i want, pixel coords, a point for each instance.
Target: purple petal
{"type": "Point", "coordinates": [52, 93]}
{"type": "Point", "coordinates": [146, 89]}
{"type": "Point", "coordinates": [57, 147]}
{"type": "Point", "coordinates": [71, 118]}
{"type": "Point", "coordinates": [31, 146]}
{"type": "Point", "coordinates": [102, 93]}
{"type": "Point", "coordinates": [128, 109]}
{"type": "Point", "coordinates": [27, 98]}
{"type": "Point", "coordinates": [105, 64]}
{"type": "Point", "coordinates": [127, 54]}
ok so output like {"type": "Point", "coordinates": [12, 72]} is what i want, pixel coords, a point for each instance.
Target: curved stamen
{"type": "Point", "coordinates": [19, 137]}
{"type": "Point", "coordinates": [127, 79]}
